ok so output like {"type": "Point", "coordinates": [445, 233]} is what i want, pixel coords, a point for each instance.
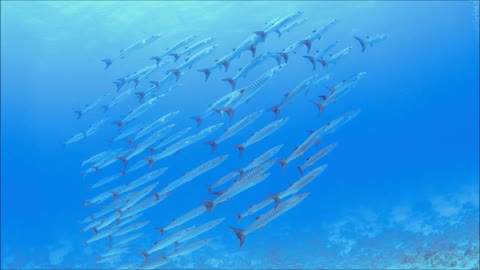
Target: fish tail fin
{"type": "Point", "coordinates": [283, 163]}
{"type": "Point", "coordinates": [261, 34]}
{"type": "Point", "coordinates": [206, 71]}
{"type": "Point", "coordinates": [198, 118]}
{"type": "Point", "coordinates": [150, 161]}
{"type": "Point", "coordinates": [300, 169]}
{"type": "Point", "coordinates": [123, 172]}
{"type": "Point", "coordinates": [323, 62]}
{"type": "Point", "coordinates": [362, 43]}
{"type": "Point", "coordinates": [308, 44]}
{"type": "Point", "coordinates": [161, 230]}
{"type": "Point", "coordinates": [239, 217]}
{"type": "Point", "coordinates": [275, 198]}
{"type": "Point", "coordinates": [124, 160]}
{"type": "Point", "coordinates": [253, 49]}
{"type": "Point", "coordinates": [175, 55]}
{"type": "Point", "coordinates": [157, 59]}
{"type": "Point", "coordinates": [140, 95]}
{"type": "Point", "coordinates": [240, 171]}
{"type": "Point", "coordinates": [107, 62]}
{"type": "Point", "coordinates": [151, 149]}
{"type": "Point", "coordinates": [145, 255]}
{"type": "Point", "coordinates": [130, 141]}
{"type": "Point", "coordinates": [279, 33]}
{"type": "Point", "coordinates": [319, 104]}
{"type": "Point", "coordinates": [239, 233]}
{"type": "Point", "coordinates": [175, 72]}
{"type": "Point", "coordinates": [118, 123]}
{"type": "Point", "coordinates": [231, 82]}
{"type": "Point", "coordinates": [240, 148]}
{"type": "Point", "coordinates": [136, 81]}
{"type": "Point", "coordinates": [213, 144]}
{"type": "Point", "coordinates": [119, 83]}
{"type": "Point", "coordinates": [275, 110]}
{"type": "Point", "coordinates": [225, 64]}
{"type": "Point", "coordinates": [210, 205]}
{"type": "Point", "coordinates": [278, 58]}
{"type": "Point", "coordinates": [284, 56]}
{"type": "Point", "coordinates": [229, 111]}
{"type": "Point", "coordinates": [312, 60]}
{"type": "Point", "coordinates": [79, 114]}
{"type": "Point", "coordinates": [156, 84]}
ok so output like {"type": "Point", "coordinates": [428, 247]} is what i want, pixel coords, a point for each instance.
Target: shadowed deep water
{"type": "Point", "coordinates": [401, 188]}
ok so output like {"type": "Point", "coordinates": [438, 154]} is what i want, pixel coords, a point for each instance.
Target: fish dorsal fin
{"type": "Point", "coordinates": [331, 55]}
{"type": "Point", "coordinates": [296, 147]}
{"type": "Point", "coordinates": [257, 217]}
{"type": "Point", "coordinates": [286, 95]}
{"type": "Point", "coordinates": [186, 47]}
{"type": "Point", "coordinates": [314, 31]}
{"type": "Point", "coordinates": [240, 69]}
{"type": "Point", "coordinates": [233, 49]}
{"type": "Point", "coordinates": [173, 220]}
{"type": "Point", "coordinates": [368, 37]}
{"type": "Point", "coordinates": [308, 158]}
{"type": "Point", "coordinates": [291, 184]}
{"type": "Point", "coordinates": [186, 59]}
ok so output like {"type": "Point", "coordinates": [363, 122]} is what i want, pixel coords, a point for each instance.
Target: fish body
{"type": "Point", "coordinates": [173, 48]}
{"type": "Point", "coordinates": [282, 22]}
{"type": "Point", "coordinates": [165, 242]}
{"type": "Point", "coordinates": [199, 230]}
{"type": "Point", "coordinates": [262, 133]}
{"type": "Point", "coordinates": [262, 158]}
{"type": "Point", "coordinates": [264, 219]}
{"type": "Point", "coordinates": [94, 127]}
{"type": "Point", "coordinates": [155, 124]}
{"type": "Point", "coordinates": [138, 182]}
{"type": "Point", "coordinates": [248, 92]}
{"type": "Point", "coordinates": [137, 112]}
{"type": "Point", "coordinates": [139, 148]}
{"type": "Point", "coordinates": [188, 50]}
{"type": "Point", "coordinates": [340, 90]}
{"type": "Point", "coordinates": [184, 143]}
{"type": "Point", "coordinates": [190, 248]}
{"type": "Point", "coordinates": [183, 219]}
{"type": "Point", "coordinates": [223, 180]}
{"type": "Point", "coordinates": [169, 140]}
{"type": "Point", "coordinates": [143, 205]}
{"type": "Point", "coordinates": [254, 63]}
{"type": "Point", "coordinates": [130, 228]}
{"type": "Point", "coordinates": [313, 159]}
{"type": "Point", "coordinates": [289, 26]}
{"type": "Point", "coordinates": [134, 47]}
{"type": "Point", "coordinates": [187, 177]}
{"type": "Point", "coordinates": [370, 40]}
{"type": "Point", "coordinates": [334, 58]}
{"type": "Point", "coordinates": [234, 129]}
{"type": "Point", "coordinates": [302, 148]}
{"type": "Point", "coordinates": [106, 180]}
{"type": "Point", "coordinates": [192, 60]}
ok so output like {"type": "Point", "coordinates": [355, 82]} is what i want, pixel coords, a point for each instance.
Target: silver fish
{"type": "Point", "coordinates": [234, 129]}
{"type": "Point", "coordinates": [261, 134]}
{"type": "Point", "coordinates": [264, 219]}
{"type": "Point", "coordinates": [311, 160]}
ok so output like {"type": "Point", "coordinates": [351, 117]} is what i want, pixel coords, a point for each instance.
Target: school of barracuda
{"type": "Point", "coordinates": [119, 209]}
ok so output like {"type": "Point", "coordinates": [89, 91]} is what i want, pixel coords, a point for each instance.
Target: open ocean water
{"type": "Point", "coordinates": [400, 188]}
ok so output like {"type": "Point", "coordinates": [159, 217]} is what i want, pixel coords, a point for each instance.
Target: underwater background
{"type": "Point", "coordinates": [402, 186]}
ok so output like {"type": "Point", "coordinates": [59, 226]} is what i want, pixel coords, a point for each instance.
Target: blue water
{"type": "Point", "coordinates": [401, 188]}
